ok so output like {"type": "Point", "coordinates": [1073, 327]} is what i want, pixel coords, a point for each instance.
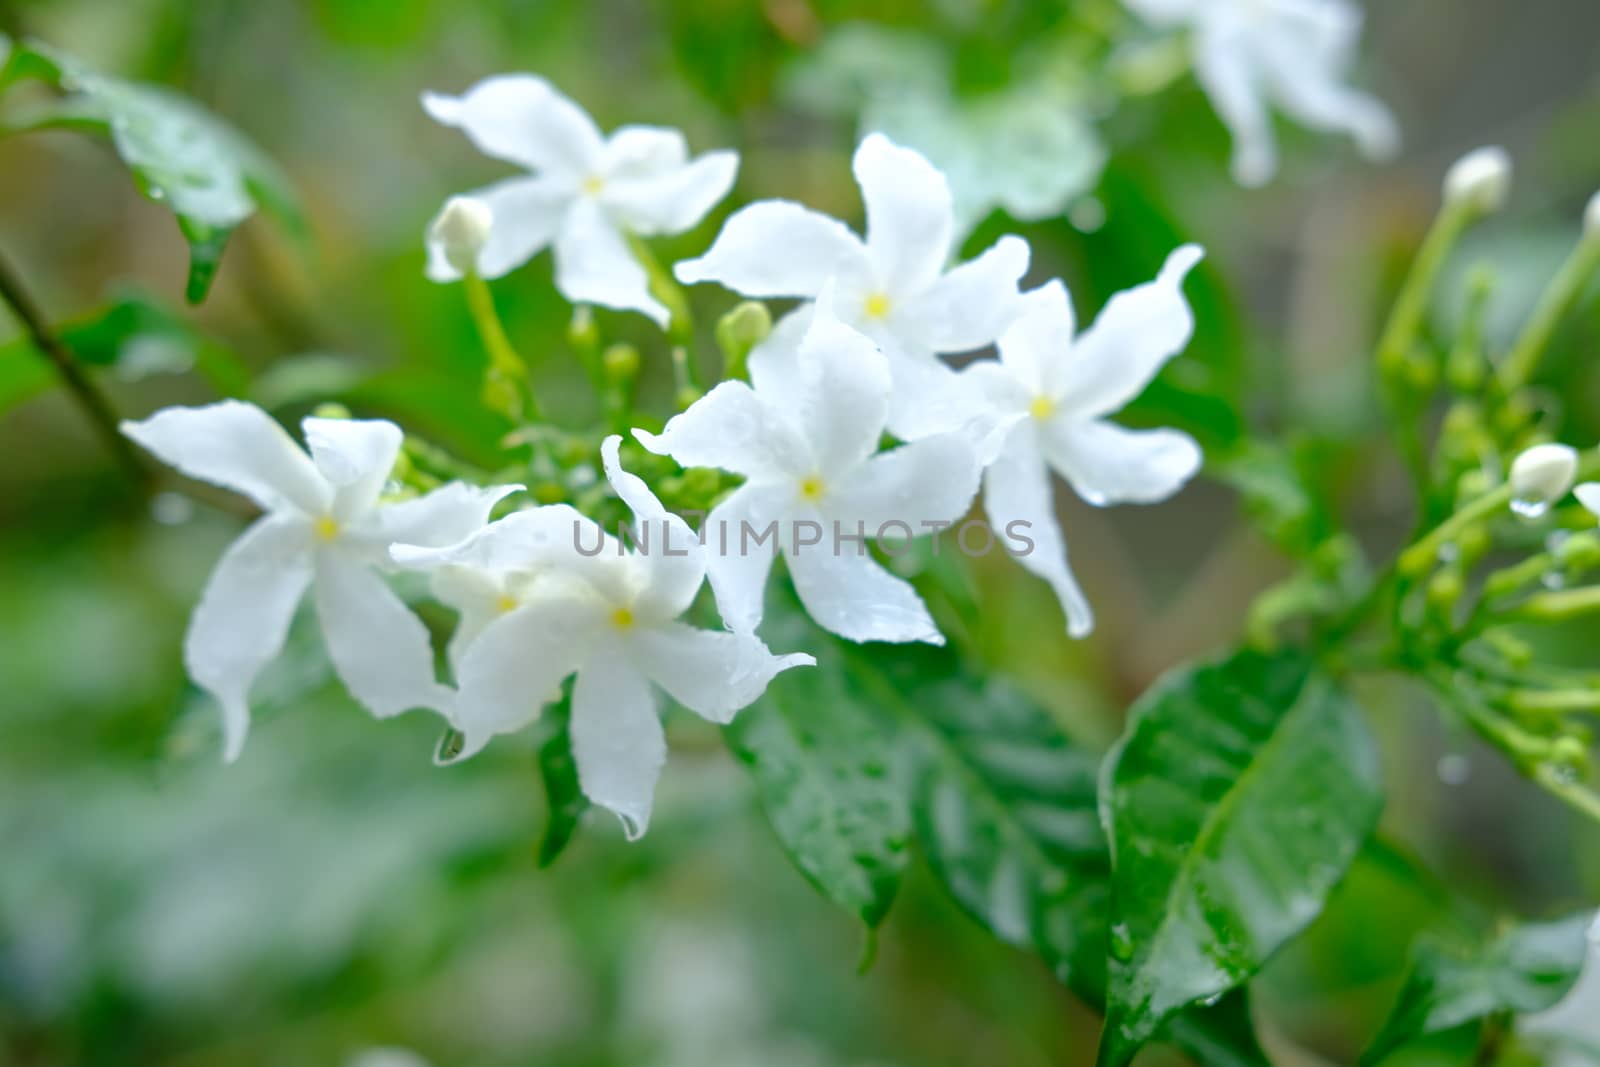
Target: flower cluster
{"type": "Point", "coordinates": [544, 594]}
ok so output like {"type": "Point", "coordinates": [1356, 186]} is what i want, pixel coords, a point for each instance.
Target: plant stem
{"type": "Point", "coordinates": [1419, 557]}
{"type": "Point", "coordinates": [1564, 291]}
{"type": "Point", "coordinates": [83, 389]}
{"type": "Point", "coordinates": [1553, 607]}
{"type": "Point", "coordinates": [506, 387]}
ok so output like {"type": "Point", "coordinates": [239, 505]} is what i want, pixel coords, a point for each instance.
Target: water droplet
{"type": "Point", "coordinates": [1556, 539]}
{"type": "Point", "coordinates": [1449, 552]}
{"type": "Point", "coordinates": [1530, 508]}
{"type": "Point", "coordinates": [1454, 769]}
{"type": "Point", "coordinates": [1121, 942]}
{"type": "Point", "coordinates": [1211, 1000]}
{"type": "Point", "coordinates": [171, 509]}
{"type": "Point", "coordinates": [1087, 215]}
{"type": "Point", "coordinates": [1554, 580]}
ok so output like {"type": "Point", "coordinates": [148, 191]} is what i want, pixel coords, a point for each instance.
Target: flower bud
{"type": "Point", "coordinates": [1591, 218]}
{"type": "Point", "coordinates": [621, 363]}
{"type": "Point", "coordinates": [1541, 476]}
{"type": "Point", "coordinates": [1480, 180]}
{"type": "Point", "coordinates": [739, 331]}
{"type": "Point", "coordinates": [462, 229]}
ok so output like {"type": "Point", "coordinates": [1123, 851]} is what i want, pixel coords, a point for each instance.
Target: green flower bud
{"type": "Point", "coordinates": [621, 363]}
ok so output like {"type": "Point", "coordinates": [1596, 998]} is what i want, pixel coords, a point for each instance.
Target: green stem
{"type": "Point", "coordinates": [1411, 307]}
{"type": "Point", "coordinates": [1557, 302]}
{"type": "Point", "coordinates": [506, 386]}
{"type": "Point", "coordinates": [94, 403]}
{"type": "Point", "coordinates": [1416, 560]}
{"type": "Point", "coordinates": [1555, 607]}
{"type": "Point", "coordinates": [665, 288]}
{"type": "Point", "coordinates": [1552, 700]}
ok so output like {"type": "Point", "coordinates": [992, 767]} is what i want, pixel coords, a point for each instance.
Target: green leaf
{"type": "Point", "coordinates": [1528, 968]}
{"type": "Point", "coordinates": [132, 338]}
{"type": "Point", "coordinates": [180, 155]}
{"type": "Point", "coordinates": [1236, 800]}
{"type": "Point", "coordinates": [564, 799]}
{"type": "Point", "coordinates": [824, 765]}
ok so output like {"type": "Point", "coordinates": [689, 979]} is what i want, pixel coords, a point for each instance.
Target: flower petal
{"type": "Point", "coordinates": [237, 446]}
{"type": "Point", "coordinates": [380, 650]}
{"type": "Point", "coordinates": [617, 741]}
{"type": "Point", "coordinates": [516, 665]}
{"type": "Point", "coordinates": [775, 363]}
{"type": "Point", "coordinates": [910, 214]}
{"type": "Point", "coordinates": [525, 540]}
{"type": "Point", "coordinates": [1018, 499]}
{"type": "Point", "coordinates": [849, 594]}
{"type": "Point", "coordinates": [743, 534]}
{"type": "Point", "coordinates": [594, 265]}
{"type": "Point", "coordinates": [713, 674]}
{"type": "Point", "coordinates": [1303, 60]}
{"type": "Point", "coordinates": [355, 456]}
{"type": "Point", "coordinates": [1136, 334]}
{"type": "Point", "coordinates": [477, 596]}
{"type": "Point", "coordinates": [843, 401]}
{"type": "Point", "coordinates": [671, 200]}
{"type": "Point", "coordinates": [1107, 464]}
{"type": "Point", "coordinates": [928, 397]}
{"type": "Point", "coordinates": [971, 306]}
{"type": "Point", "coordinates": [775, 248]}
{"type": "Point", "coordinates": [242, 619]}
{"type": "Point", "coordinates": [931, 481]}
{"type": "Point", "coordinates": [520, 118]}
{"type": "Point", "coordinates": [730, 428]}
{"type": "Point", "coordinates": [669, 551]}
{"type": "Point", "coordinates": [1223, 66]}
{"type": "Point", "coordinates": [1040, 339]}
{"type": "Point", "coordinates": [443, 517]}
{"type": "Point", "coordinates": [526, 216]}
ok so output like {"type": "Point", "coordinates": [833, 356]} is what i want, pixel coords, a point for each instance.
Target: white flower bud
{"type": "Point", "coordinates": [1541, 476]}
{"type": "Point", "coordinates": [462, 229]}
{"type": "Point", "coordinates": [1481, 179]}
{"type": "Point", "coordinates": [1591, 218]}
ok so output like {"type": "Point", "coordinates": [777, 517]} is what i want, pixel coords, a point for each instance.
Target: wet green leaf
{"type": "Point", "coordinates": [824, 764]}
{"type": "Point", "coordinates": [180, 155]}
{"type": "Point", "coordinates": [1528, 968]}
{"type": "Point", "coordinates": [564, 799]}
{"type": "Point", "coordinates": [1236, 800]}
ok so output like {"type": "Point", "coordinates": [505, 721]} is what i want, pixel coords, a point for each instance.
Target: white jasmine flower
{"type": "Point", "coordinates": [1541, 475]}
{"type": "Point", "coordinates": [324, 526]}
{"type": "Point", "coordinates": [804, 438]}
{"type": "Point", "coordinates": [1481, 178]}
{"type": "Point", "coordinates": [894, 286]}
{"type": "Point", "coordinates": [1591, 218]}
{"type": "Point", "coordinates": [1056, 393]}
{"type": "Point", "coordinates": [588, 192]}
{"type": "Point", "coordinates": [1294, 53]}
{"type": "Point", "coordinates": [585, 605]}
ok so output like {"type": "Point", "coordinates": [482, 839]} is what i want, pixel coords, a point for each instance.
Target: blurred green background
{"type": "Point", "coordinates": [334, 891]}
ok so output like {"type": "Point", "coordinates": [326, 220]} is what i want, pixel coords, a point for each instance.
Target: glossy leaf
{"type": "Point", "coordinates": [564, 799]}
{"type": "Point", "coordinates": [180, 155]}
{"type": "Point", "coordinates": [131, 339]}
{"type": "Point", "coordinates": [824, 764]}
{"type": "Point", "coordinates": [1235, 802]}
{"type": "Point", "coordinates": [1528, 968]}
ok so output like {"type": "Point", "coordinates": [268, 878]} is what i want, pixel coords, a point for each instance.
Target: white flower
{"type": "Point", "coordinates": [1056, 393]}
{"type": "Point", "coordinates": [324, 526]}
{"type": "Point", "coordinates": [894, 286]}
{"type": "Point", "coordinates": [1541, 475]}
{"type": "Point", "coordinates": [1591, 218]}
{"type": "Point", "coordinates": [587, 192]}
{"type": "Point", "coordinates": [1295, 53]}
{"type": "Point", "coordinates": [1481, 178]}
{"type": "Point", "coordinates": [804, 438]}
{"type": "Point", "coordinates": [582, 604]}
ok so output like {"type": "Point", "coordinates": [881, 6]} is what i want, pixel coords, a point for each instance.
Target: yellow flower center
{"type": "Point", "coordinates": [622, 618]}
{"type": "Point", "coordinates": [1042, 408]}
{"type": "Point", "coordinates": [593, 184]}
{"type": "Point", "coordinates": [506, 603]}
{"type": "Point", "coordinates": [878, 306]}
{"type": "Point", "coordinates": [811, 488]}
{"type": "Point", "coordinates": [327, 528]}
